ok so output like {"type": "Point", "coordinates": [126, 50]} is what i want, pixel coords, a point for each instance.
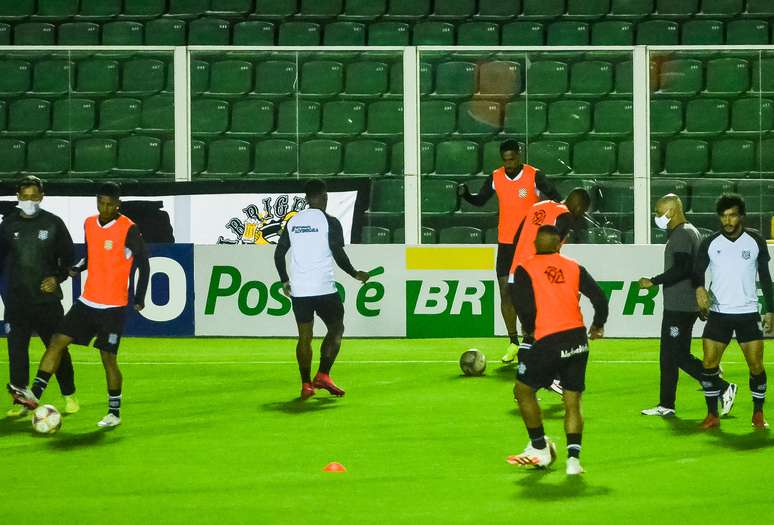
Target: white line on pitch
{"type": "Point", "coordinates": [369, 362]}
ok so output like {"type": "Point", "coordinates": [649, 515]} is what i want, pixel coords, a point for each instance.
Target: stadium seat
{"type": "Point", "coordinates": [747, 32]}
{"type": "Point", "coordinates": [29, 116]}
{"type": "Point", "coordinates": [365, 157]}
{"type": "Point", "coordinates": [97, 77]}
{"type": "Point", "coordinates": [385, 118]}
{"type": "Point", "coordinates": [17, 10]}
{"type": "Point", "coordinates": [228, 158]}
{"type": "Point", "coordinates": [706, 117]}
{"type": "Point", "coordinates": [143, 9]}
{"type": "Point", "coordinates": [275, 8]}
{"type": "Point", "coordinates": [425, 79]}
{"type": "Point", "coordinates": [299, 34]}
{"type": "Point", "coordinates": [413, 9]}
{"type": "Point", "coordinates": [704, 193]}
{"type": "Point", "coordinates": [490, 235]}
{"type": "Point", "coordinates": [612, 33]}
{"type": "Point", "coordinates": [78, 34]}
{"type": "Point", "coordinates": [752, 116]}
{"type": "Point", "coordinates": [366, 79]}
{"type": "Point", "coordinates": [624, 78]}
{"type": "Point", "coordinates": [15, 77]}
{"type": "Point", "coordinates": [438, 196]}
{"type": "Point", "coordinates": [123, 33]}
{"type": "Point", "coordinates": [617, 196]}
{"type": "Point", "coordinates": [321, 157]}
{"type": "Point", "coordinates": [626, 157]}
{"type": "Point", "coordinates": [727, 76]}
{"type": "Point", "coordinates": [721, 8]}
{"type": "Point", "coordinates": [426, 158]}
{"type": "Point", "coordinates": [200, 76]}
{"type": "Point", "coordinates": [437, 118]}
{"type": "Point", "coordinates": [5, 34]}
{"type": "Point", "coordinates": [479, 118]}
{"type": "Point", "coordinates": [666, 117]}
{"type": "Point", "coordinates": [387, 195]}
{"type": "Point", "coordinates": [143, 76]}
{"type": "Point", "coordinates": [185, 9]}
{"type": "Point", "coordinates": [276, 157]}
{"type": "Point", "coordinates": [12, 154]}
{"type": "Point", "coordinates": [433, 34]}
{"type": "Point", "coordinates": [165, 32]}
{"type": "Point", "coordinates": [600, 236]}
{"type": "Point", "coordinates": [613, 119]}
{"type": "Point", "coordinates": [251, 117]}
{"type": "Point", "coordinates": [546, 79]}
{"type": "Point", "coordinates": [758, 194]}
{"type": "Point", "coordinates": [660, 187]}
{"type": "Point", "coordinates": [681, 77]}
{"type": "Point", "coordinates": [2, 115]}
{"type": "Point", "coordinates": [345, 34]}
{"type": "Point", "coordinates": [374, 235]}
{"type": "Point", "coordinates": [34, 34]}
{"type": "Point", "coordinates": [457, 157]}
{"type": "Point", "coordinates": [253, 33]}
{"type": "Point", "coordinates": [587, 9]}
{"type": "Point", "coordinates": [657, 236]}
{"type": "Point", "coordinates": [568, 33]}
{"type": "Point", "coordinates": [231, 7]}
{"type": "Point", "coordinates": [478, 34]}
{"type": "Point", "coordinates": [320, 8]}
{"type": "Point", "coordinates": [542, 9]}
{"type": "Point", "coordinates": [158, 114]}
{"type": "Point", "coordinates": [454, 9]}
{"type": "Point", "coordinates": [455, 79]}
{"type": "Point", "coordinates": [138, 156]}
{"type": "Point", "coordinates": [568, 119]}
{"type": "Point", "coordinates": [94, 157]}
{"type": "Point", "coordinates": [48, 156]}
{"type": "Point", "coordinates": [763, 70]}
{"type": "Point", "coordinates": [343, 118]}
{"type": "Point", "coordinates": [322, 78]}
{"type": "Point", "coordinates": [119, 115]}
{"type": "Point", "coordinates": [209, 117]}
{"type": "Point", "coordinates": [702, 33]}
{"type": "Point", "coordinates": [300, 118]}
{"type": "Point", "coordinates": [275, 78]}
{"type": "Point", "coordinates": [631, 9]}
{"type": "Point", "coordinates": [522, 33]}
{"type": "Point", "coordinates": [209, 32]}
{"type": "Point", "coordinates": [461, 235]}
{"type": "Point", "coordinates": [594, 157]}
{"type": "Point", "coordinates": [52, 77]}
{"type": "Point", "coordinates": [364, 9]}
{"type": "Point", "coordinates": [389, 34]}
{"type": "Point", "coordinates": [677, 9]}
{"type": "Point", "coordinates": [499, 78]}
{"type": "Point", "coordinates": [522, 122]}
{"type": "Point", "coordinates": [198, 161]}
{"type": "Point", "coordinates": [73, 116]}
{"type": "Point", "coordinates": [99, 9]}
{"type": "Point", "coordinates": [230, 78]}
{"type": "Point", "coordinates": [591, 79]}
{"type": "Point", "coordinates": [550, 157]}
{"type": "Point", "coordinates": [658, 33]}
{"type": "Point", "coordinates": [760, 8]}
{"type": "Point", "coordinates": [427, 236]}
{"type": "Point", "coordinates": [687, 157]}
{"type": "Point", "coordinates": [733, 158]}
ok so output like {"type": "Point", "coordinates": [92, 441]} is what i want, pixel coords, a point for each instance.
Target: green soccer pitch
{"type": "Point", "coordinates": [213, 432]}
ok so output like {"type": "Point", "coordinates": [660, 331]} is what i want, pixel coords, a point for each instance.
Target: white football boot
{"type": "Point", "coordinates": [109, 421]}
{"type": "Point", "coordinates": [574, 467]}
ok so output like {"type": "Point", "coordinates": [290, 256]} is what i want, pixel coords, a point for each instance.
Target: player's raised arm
{"type": "Point", "coordinates": [477, 199]}
{"type": "Point", "coordinates": [590, 288]}
{"type": "Point", "coordinates": [546, 187]}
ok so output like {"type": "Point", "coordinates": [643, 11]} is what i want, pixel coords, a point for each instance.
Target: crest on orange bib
{"type": "Point", "coordinates": [523, 193]}
{"type": "Point", "coordinates": [108, 244]}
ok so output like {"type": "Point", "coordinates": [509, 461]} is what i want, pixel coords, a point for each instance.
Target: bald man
{"type": "Point", "coordinates": [680, 307]}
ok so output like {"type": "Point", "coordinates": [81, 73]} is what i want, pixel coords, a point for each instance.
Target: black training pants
{"type": "Point", "coordinates": [676, 330]}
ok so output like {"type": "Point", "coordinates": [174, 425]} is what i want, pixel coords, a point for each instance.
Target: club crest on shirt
{"type": "Point", "coordinates": [521, 369]}
{"type": "Point", "coordinates": [674, 331]}
{"type": "Point", "coordinates": [108, 244]}
{"type": "Point", "coordinates": [263, 223]}
{"type": "Point", "coordinates": [15, 235]}
{"type": "Point", "coordinates": [745, 254]}
{"type": "Point", "coordinates": [43, 235]}
{"type": "Point", "coordinates": [523, 193]}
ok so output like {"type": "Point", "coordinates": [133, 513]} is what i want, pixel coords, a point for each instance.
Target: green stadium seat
{"type": "Point", "coordinates": [5, 35]}
{"type": "Point", "coordinates": [490, 236]}
{"type": "Point", "coordinates": [455, 79]}
{"type": "Point", "coordinates": [542, 9]}
{"type": "Point", "coordinates": [617, 196]}
{"type": "Point", "coordinates": [300, 118]}
{"type": "Point", "coordinates": [413, 9]}
{"type": "Point", "coordinates": [15, 77]}
{"type": "Point", "coordinates": [34, 34]}
{"type": "Point", "coordinates": [427, 236]}
{"type": "Point", "coordinates": [547, 79]}
{"type": "Point", "coordinates": [48, 156]}
{"type": "Point", "coordinates": [94, 157]}
{"type": "Point", "coordinates": [73, 116]}
{"type": "Point", "coordinates": [658, 33]}
{"type": "Point", "coordinates": [321, 157]}
{"type": "Point", "coordinates": [758, 194]}
{"type": "Point", "coordinates": [253, 33]}
{"type": "Point", "coordinates": [387, 195]}
{"type": "Point", "coordinates": [706, 117]}
{"type": "Point", "coordinates": [2, 115]}
{"type": "Point", "coordinates": [138, 156]}
{"type": "Point", "coordinates": [375, 235]}
{"type": "Point", "coordinates": [198, 161]}
{"type": "Point", "coordinates": [97, 77]}
{"type": "Point", "coordinates": [687, 157]}
{"type": "Point", "coordinates": [56, 9]}
{"type": "Point", "coordinates": [552, 157]}
{"type": "Point", "coordinates": [366, 79]}
{"type": "Point", "coordinates": [438, 196]}
{"type": "Point", "coordinates": [631, 9]}
{"type": "Point", "coordinates": [727, 77]}
{"type": "Point", "coordinates": [704, 193]}
{"type": "Point", "coordinates": [612, 33]}
{"type": "Point", "coordinates": [299, 34]}
{"type": "Point", "coordinates": [587, 9]}
{"type": "Point", "coordinates": [143, 9]}
{"type": "Point", "coordinates": [275, 78]}
{"type": "Point", "coordinates": [188, 8]}
{"type": "Point", "coordinates": [158, 113]}
{"type": "Point", "coordinates": [343, 118]}
{"type": "Point", "coordinates": [721, 8]}
{"type": "Point", "coordinates": [522, 122]}
{"type": "Point", "coordinates": [657, 236]}
{"type": "Point", "coordinates": [123, 33]}
{"type": "Point", "coordinates": [478, 34]}
{"type": "Point", "coordinates": [702, 33]}
{"type": "Point", "coordinates": [364, 9]}
{"type": "Point", "coordinates": [320, 8]}
{"type": "Point", "coordinates": [752, 116]}
{"type": "Point", "coordinates": [165, 32]}
{"type": "Point", "coordinates": [52, 77]}
{"type": "Point", "coordinates": [681, 77]}
{"type": "Point", "coordinates": [624, 78]}
{"type": "Point", "coordinates": [568, 119]}
{"type": "Point", "coordinates": [479, 118]}
{"type": "Point", "coordinates": [230, 78]}
{"type": "Point", "coordinates": [385, 118]}
{"type": "Point", "coordinates": [498, 10]}
{"type": "Point", "coordinates": [17, 10]}
{"type": "Point", "coordinates": [760, 8]}
{"type": "Point", "coordinates": [200, 76]}
{"type": "Point", "coordinates": [120, 115]}
{"type": "Point", "coordinates": [600, 236]}
{"type": "Point", "coordinates": [733, 158]}
{"type": "Point", "coordinates": [594, 157]}
{"type": "Point", "coordinates": [433, 34]}
{"type": "Point", "coordinates": [677, 8]}
{"type": "Point", "coordinates": [250, 118]}
{"type": "Point", "coordinates": [209, 117]}
{"type": "Point", "coordinates": [454, 9]}
{"type": "Point", "coordinates": [437, 118]}
{"type": "Point", "coordinates": [12, 154]}
{"type": "Point", "coordinates": [747, 32]}
{"type": "Point", "coordinates": [79, 34]}
{"type": "Point", "coordinates": [457, 157]}
{"type": "Point", "coordinates": [345, 34]}
{"type": "Point", "coordinates": [209, 32]}
{"type": "Point", "coordinates": [626, 157]}
{"type": "Point", "coordinates": [499, 78]}
{"type": "Point", "coordinates": [143, 76]}
{"type": "Point", "coordinates": [275, 8]}
{"type": "Point", "coordinates": [591, 79]}
{"type": "Point", "coordinates": [461, 235]}
{"type": "Point", "coordinates": [365, 157]}
{"type": "Point", "coordinates": [666, 117]}
{"type": "Point", "coordinates": [29, 116]}
{"type": "Point", "coordinates": [322, 78]}
{"type": "Point", "coordinates": [276, 157]}
{"type": "Point", "coordinates": [231, 7]}
{"type": "Point", "coordinates": [426, 158]}
{"type": "Point", "coordinates": [99, 9]}
{"type": "Point", "coordinates": [522, 33]}
{"type": "Point", "coordinates": [425, 79]}
{"type": "Point", "coordinates": [228, 158]}
{"type": "Point", "coordinates": [568, 33]}
{"type": "Point", "coordinates": [660, 187]}
{"type": "Point", "coordinates": [763, 70]}
{"type": "Point", "coordinates": [389, 34]}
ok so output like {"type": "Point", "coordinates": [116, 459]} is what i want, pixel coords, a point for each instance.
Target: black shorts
{"type": "Point", "coordinates": [83, 323]}
{"type": "Point", "coordinates": [329, 307]}
{"type": "Point", "coordinates": [721, 327]}
{"type": "Point", "coordinates": [564, 354]}
{"type": "Point", "coordinates": [505, 253]}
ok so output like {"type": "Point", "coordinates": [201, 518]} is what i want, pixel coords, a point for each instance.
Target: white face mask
{"type": "Point", "coordinates": [29, 208]}
{"type": "Point", "coordinates": [662, 221]}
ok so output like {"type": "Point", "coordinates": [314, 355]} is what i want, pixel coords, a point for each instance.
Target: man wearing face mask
{"type": "Point", "coordinates": [36, 252]}
{"type": "Point", "coordinates": [680, 307]}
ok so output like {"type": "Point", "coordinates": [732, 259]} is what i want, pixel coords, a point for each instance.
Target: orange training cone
{"type": "Point", "coordinates": [334, 467]}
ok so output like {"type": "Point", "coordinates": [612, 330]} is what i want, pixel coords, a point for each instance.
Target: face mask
{"type": "Point", "coordinates": [29, 208]}
{"type": "Point", "coordinates": [662, 221]}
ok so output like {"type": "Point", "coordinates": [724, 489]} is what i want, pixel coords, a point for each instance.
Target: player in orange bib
{"type": "Point", "coordinates": [517, 186]}
{"type": "Point", "coordinates": [546, 292]}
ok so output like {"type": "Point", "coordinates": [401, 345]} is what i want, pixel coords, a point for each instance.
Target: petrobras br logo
{"type": "Point", "coordinates": [262, 223]}
{"type": "Point", "coordinates": [449, 308]}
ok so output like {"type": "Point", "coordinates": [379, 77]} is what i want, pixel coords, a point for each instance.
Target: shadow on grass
{"type": "Point", "coordinates": [296, 406]}
{"type": "Point", "coordinates": [536, 486]}
{"type": "Point", "coordinates": [14, 424]}
{"type": "Point", "coordinates": [752, 440]}
{"type": "Point", "coordinates": [86, 439]}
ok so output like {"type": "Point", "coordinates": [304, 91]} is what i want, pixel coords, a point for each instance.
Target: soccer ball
{"type": "Point", "coordinates": [473, 362]}
{"type": "Point", "coordinates": [46, 420]}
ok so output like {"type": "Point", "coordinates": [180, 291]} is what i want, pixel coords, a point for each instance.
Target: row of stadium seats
{"type": "Point", "coordinates": [218, 31]}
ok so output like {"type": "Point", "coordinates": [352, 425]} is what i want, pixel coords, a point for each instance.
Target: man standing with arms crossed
{"type": "Point", "coordinates": [680, 307]}
{"type": "Point", "coordinates": [517, 186]}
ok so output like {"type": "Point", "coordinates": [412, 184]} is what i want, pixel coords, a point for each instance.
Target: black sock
{"type": "Point", "coordinates": [538, 437]}
{"type": "Point", "coordinates": [40, 383]}
{"type": "Point", "coordinates": [306, 373]}
{"type": "Point", "coordinates": [514, 337]}
{"type": "Point", "coordinates": [758, 390]}
{"type": "Point", "coordinates": [574, 445]}
{"type": "Point", "coordinates": [326, 363]}
{"type": "Point", "coordinates": [710, 382]}
{"type": "Point", "coordinates": [114, 402]}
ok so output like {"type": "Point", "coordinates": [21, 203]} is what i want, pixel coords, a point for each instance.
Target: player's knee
{"type": "Point", "coordinates": [58, 343]}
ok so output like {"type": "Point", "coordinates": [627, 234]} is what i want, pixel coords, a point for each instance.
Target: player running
{"type": "Point", "coordinates": [546, 294]}
{"type": "Point", "coordinates": [734, 255]}
{"type": "Point", "coordinates": [517, 186]}
{"type": "Point", "coordinates": [316, 240]}
{"type": "Point", "coordinates": [114, 246]}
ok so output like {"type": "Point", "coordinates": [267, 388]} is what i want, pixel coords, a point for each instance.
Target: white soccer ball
{"type": "Point", "coordinates": [46, 420]}
{"type": "Point", "coordinates": [473, 362]}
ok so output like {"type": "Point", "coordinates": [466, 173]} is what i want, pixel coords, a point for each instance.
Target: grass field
{"type": "Point", "coordinates": [213, 433]}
